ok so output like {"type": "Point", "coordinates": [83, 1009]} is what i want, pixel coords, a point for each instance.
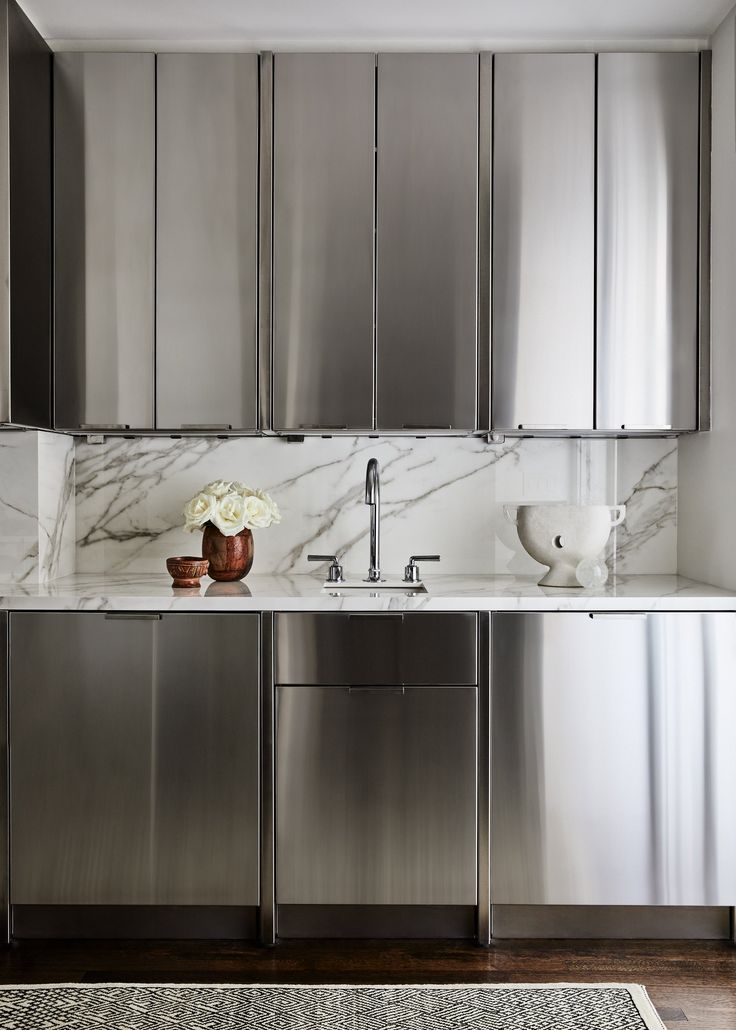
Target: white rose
{"type": "Point", "coordinates": [241, 488]}
{"type": "Point", "coordinates": [219, 488]}
{"type": "Point", "coordinates": [229, 516]}
{"type": "Point", "coordinates": [199, 510]}
{"type": "Point", "coordinates": [257, 513]}
{"type": "Point", "coordinates": [272, 505]}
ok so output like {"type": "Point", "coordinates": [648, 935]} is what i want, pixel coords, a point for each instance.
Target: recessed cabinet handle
{"type": "Point", "coordinates": [134, 616]}
{"type": "Point", "coordinates": [204, 425]}
{"type": "Point", "coordinates": [426, 425]}
{"type": "Point", "coordinates": [645, 428]}
{"type": "Point", "coordinates": [103, 425]}
{"type": "Point", "coordinates": [617, 615]}
{"type": "Point", "coordinates": [376, 688]}
{"type": "Point", "coordinates": [321, 425]}
{"type": "Point", "coordinates": [544, 425]}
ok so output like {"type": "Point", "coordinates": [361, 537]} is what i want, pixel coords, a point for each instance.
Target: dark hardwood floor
{"type": "Point", "coordinates": [692, 983]}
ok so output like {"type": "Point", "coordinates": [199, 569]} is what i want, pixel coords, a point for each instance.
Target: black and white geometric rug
{"type": "Point", "coordinates": [295, 1007]}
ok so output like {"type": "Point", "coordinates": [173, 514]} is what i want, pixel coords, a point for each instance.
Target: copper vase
{"type": "Point", "coordinates": [230, 557]}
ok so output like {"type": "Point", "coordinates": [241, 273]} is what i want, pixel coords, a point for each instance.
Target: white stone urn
{"type": "Point", "coordinates": [563, 535]}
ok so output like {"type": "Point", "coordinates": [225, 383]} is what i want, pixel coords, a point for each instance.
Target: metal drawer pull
{"type": "Point", "coordinates": [204, 425]}
{"type": "Point", "coordinates": [617, 615]}
{"type": "Point", "coordinates": [303, 425]}
{"type": "Point", "coordinates": [425, 425]}
{"type": "Point", "coordinates": [134, 616]}
{"type": "Point", "coordinates": [103, 425]}
{"type": "Point", "coordinates": [543, 425]}
{"type": "Point", "coordinates": [644, 428]}
{"type": "Point", "coordinates": [377, 689]}
{"type": "Point", "coordinates": [377, 616]}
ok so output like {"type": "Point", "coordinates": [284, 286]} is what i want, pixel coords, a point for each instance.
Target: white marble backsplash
{"type": "Point", "coordinates": [37, 506]}
{"type": "Point", "coordinates": [441, 496]}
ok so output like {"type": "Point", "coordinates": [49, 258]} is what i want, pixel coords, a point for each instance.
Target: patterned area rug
{"type": "Point", "coordinates": [293, 1007]}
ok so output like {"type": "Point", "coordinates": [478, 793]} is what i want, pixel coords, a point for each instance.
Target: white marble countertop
{"type": "Point", "coordinates": [306, 593]}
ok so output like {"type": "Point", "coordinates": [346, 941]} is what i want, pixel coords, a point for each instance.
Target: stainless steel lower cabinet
{"type": "Point", "coordinates": [376, 785]}
{"type": "Point", "coordinates": [613, 762]}
{"type": "Point", "coordinates": [134, 769]}
{"type": "Point", "coordinates": [375, 796]}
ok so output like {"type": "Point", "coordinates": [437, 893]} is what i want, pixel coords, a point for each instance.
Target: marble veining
{"type": "Point", "coordinates": [438, 495]}
{"type": "Point", "coordinates": [56, 506]}
{"type": "Point", "coordinates": [37, 506]}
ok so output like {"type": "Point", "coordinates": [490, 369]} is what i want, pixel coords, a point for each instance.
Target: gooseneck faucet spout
{"type": "Point", "coordinates": [373, 498]}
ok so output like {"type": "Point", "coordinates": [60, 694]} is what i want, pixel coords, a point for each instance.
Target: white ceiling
{"type": "Point", "coordinates": [259, 24]}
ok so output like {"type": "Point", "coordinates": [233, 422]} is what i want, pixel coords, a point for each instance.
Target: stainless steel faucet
{"type": "Point", "coordinates": [373, 498]}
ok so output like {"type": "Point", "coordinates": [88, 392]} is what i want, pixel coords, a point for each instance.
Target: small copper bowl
{"type": "Point", "coordinates": [186, 571]}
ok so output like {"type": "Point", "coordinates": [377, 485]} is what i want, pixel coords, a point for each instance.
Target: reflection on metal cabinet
{"type": "Point", "coordinates": [28, 245]}
{"type": "Point", "coordinates": [375, 796]}
{"type": "Point", "coordinates": [543, 241]}
{"type": "Point", "coordinates": [104, 175]}
{"type": "Point", "coordinates": [134, 759]}
{"type": "Point", "coordinates": [648, 202]}
{"type": "Point", "coordinates": [323, 185]}
{"type": "Point", "coordinates": [427, 241]}
{"type": "Point", "coordinates": [614, 771]}
{"type": "Point", "coordinates": [206, 242]}
{"type": "Point", "coordinates": [4, 773]}
{"type": "Point", "coordinates": [376, 760]}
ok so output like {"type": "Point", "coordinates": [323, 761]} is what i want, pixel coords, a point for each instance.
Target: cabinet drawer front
{"type": "Point", "coordinates": [376, 796]}
{"type": "Point", "coordinates": [344, 650]}
{"type": "Point", "coordinates": [614, 772]}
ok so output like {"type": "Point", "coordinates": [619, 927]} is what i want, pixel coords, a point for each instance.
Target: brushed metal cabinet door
{"type": "Point", "coordinates": [206, 759]}
{"type": "Point", "coordinates": [427, 241]}
{"type": "Point", "coordinates": [4, 216]}
{"type": "Point", "coordinates": [613, 767]}
{"type": "Point", "coordinates": [29, 112]}
{"type": "Point", "coordinates": [323, 183]}
{"type": "Point", "coordinates": [333, 649]}
{"type": "Point", "coordinates": [207, 242]}
{"type": "Point", "coordinates": [4, 784]}
{"type": "Point", "coordinates": [648, 160]}
{"type": "Point", "coordinates": [376, 796]}
{"type": "Point", "coordinates": [81, 724]}
{"type": "Point", "coordinates": [543, 241]}
{"type": "Point", "coordinates": [104, 176]}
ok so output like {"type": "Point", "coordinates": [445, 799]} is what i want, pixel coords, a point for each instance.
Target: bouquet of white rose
{"type": "Point", "coordinates": [231, 507]}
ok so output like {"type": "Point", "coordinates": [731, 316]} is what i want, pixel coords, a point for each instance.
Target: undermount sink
{"type": "Point", "coordinates": [382, 587]}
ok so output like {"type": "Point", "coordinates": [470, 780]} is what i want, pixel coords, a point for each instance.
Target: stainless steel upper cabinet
{"type": "Point", "coordinates": [104, 138]}
{"type": "Point", "coordinates": [427, 242]}
{"type": "Point", "coordinates": [323, 140]}
{"type": "Point", "coordinates": [543, 241]}
{"type": "Point", "coordinates": [206, 244]}
{"type": "Point", "coordinates": [648, 156]}
{"type": "Point", "coordinates": [614, 770]}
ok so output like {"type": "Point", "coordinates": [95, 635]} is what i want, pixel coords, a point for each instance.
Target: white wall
{"type": "Point", "coordinates": [707, 470]}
